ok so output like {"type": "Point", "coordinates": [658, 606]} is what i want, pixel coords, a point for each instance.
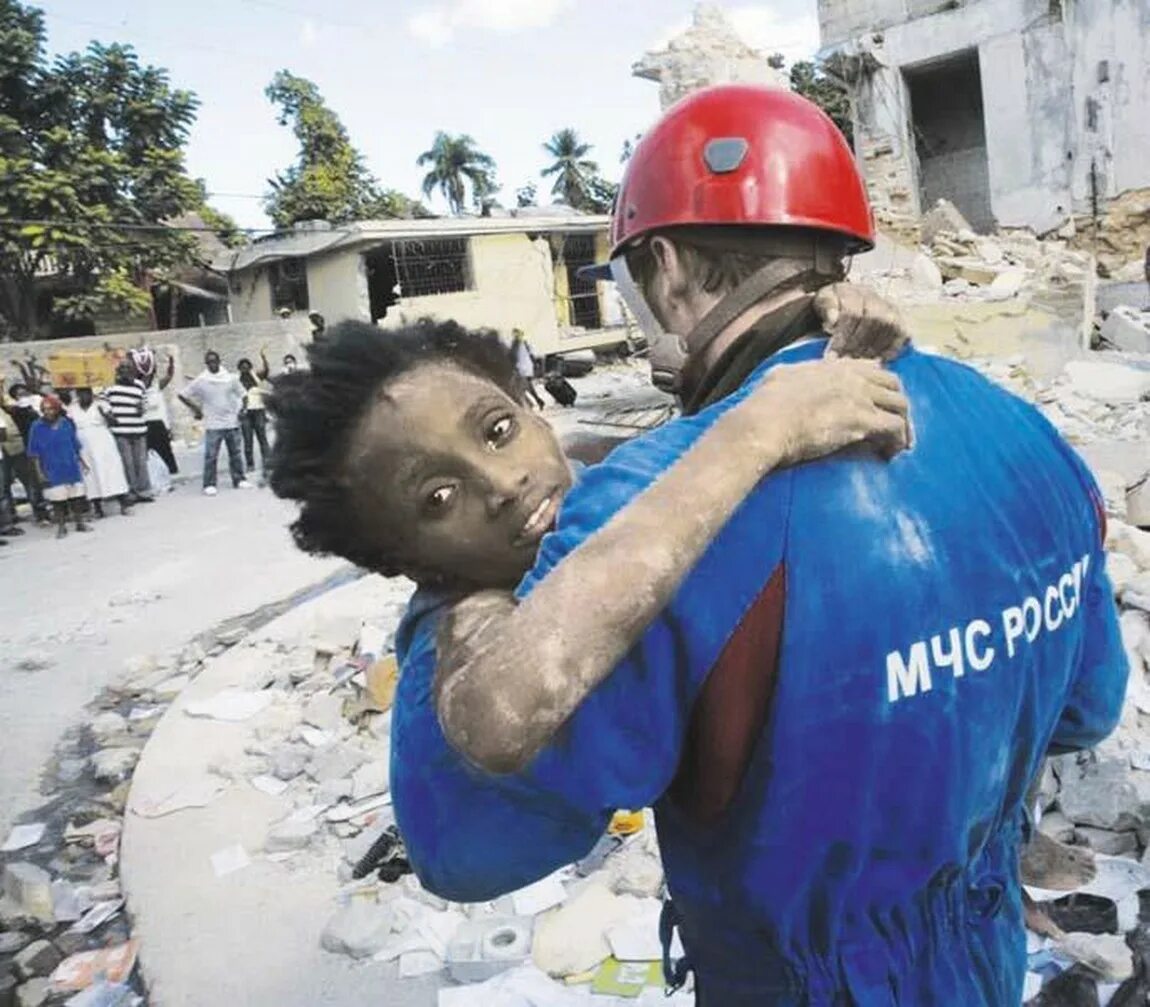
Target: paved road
{"type": "Point", "coordinates": [72, 612]}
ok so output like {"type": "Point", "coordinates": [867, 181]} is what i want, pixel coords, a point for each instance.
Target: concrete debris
{"type": "Point", "coordinates": [33, 993]}
{"type": "Point", "coordinates": [943, 216]}
{"type": "Point", "coordinates": [484, 947]}
{"type": "Point", "coordinates": [29, 888]}
{"type": "Point", "coordinates": [1098, 792]}
{"type": "Point", "coordinates": [1106, 841]}
{"type": "Point", "coordinates": [38, 959]}
{"type": "Point", "coordinates": [1127, 328]}
{"type": "Point", "coordinates": [1006, 285]}
{"type": "Point", "coordinates": [325, 711]}
{"type": "Point", "coordinates": [288, 761]}
{"type": "Point", "coordinates": [373, 777]}
{"type": "Point", "coordinates": [358, 930]}
{"type": "Point", "coordinates": [335, 762]}
{"type": "Point", "coordinates": [108, 725]}
{"type": "Point", "coordinates": [1105, 954]}
{"type": "Point", "coordinates": [924, 273]}
{"type": "Point", "coordinates": [293, 833]}
{"type": "Point", "coordinates": [12, 941]}
{"type": "Point", "coordinates": [1107, 381]}
{"type": "Point", "coordinates": [112, 765]}
{"type": "Point", "coordinates": [23, 836]}
{"type": "Point", "coordinates": [1138, 503]}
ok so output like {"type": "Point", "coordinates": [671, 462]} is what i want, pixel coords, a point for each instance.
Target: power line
{"type": "Point", "coordinates": [132, 226]}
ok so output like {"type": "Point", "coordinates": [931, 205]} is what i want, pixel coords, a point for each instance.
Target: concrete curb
{"type": "Point", "coordinates": [251, 937]}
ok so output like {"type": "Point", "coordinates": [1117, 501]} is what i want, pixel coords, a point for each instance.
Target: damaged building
{"type": "Point", "coordinates": [1023, 113]}
{"type": "Point", "coordinates": [502, 273]}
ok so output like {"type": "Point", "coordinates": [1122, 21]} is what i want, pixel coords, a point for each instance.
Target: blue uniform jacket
{"type": "Point", "coordinates": [947, 619]}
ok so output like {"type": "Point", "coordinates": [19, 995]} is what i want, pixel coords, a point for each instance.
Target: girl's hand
{"type": "Point", "coordinates": [860, 323]}
{"type": "Point", "coordinates": [824, 406]}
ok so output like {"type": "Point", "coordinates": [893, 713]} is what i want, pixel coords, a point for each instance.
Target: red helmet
{"type": "Point", "coordinates": [743, 154]}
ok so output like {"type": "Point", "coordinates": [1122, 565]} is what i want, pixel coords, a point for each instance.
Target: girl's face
{"type": "Point", "coordinates": [461, 476]}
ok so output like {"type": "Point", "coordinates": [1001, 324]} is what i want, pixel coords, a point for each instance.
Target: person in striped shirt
{"type": "Point", "coordinates": [126, 401]}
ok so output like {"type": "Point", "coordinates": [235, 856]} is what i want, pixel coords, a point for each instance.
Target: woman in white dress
{"type": "Point", "coordinates": [104, 477]}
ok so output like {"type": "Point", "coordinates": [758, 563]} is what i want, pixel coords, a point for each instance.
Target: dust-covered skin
{"type": "Point", "coordinates": [860, 322]}
{"type": "Point", "coordinates": [1047, 863]}
{"type": "Point", "coordinates": [509, 674]}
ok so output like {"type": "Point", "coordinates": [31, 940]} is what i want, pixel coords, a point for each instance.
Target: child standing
{"type": "Point", "coordinates": [54, 448]}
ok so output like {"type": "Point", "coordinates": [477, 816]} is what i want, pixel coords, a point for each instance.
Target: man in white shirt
{"type": "Point", "coordinates": [215, 397]}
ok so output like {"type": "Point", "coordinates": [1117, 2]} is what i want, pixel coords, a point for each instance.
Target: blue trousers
{"type": "Point", "coordinates": [212, 441]}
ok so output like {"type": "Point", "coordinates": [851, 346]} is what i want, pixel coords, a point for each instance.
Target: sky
{"type": "Point", "coordinates": [508, 72]}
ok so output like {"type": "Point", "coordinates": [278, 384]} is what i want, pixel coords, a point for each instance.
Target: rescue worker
{"type": "Point", "coordinates": [837, 714]}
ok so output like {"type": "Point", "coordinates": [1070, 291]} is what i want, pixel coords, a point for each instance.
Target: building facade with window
{"type": "Point", "coordinates": [516, 272]}
{"type": "Point", "coordinates": [1023, 113]}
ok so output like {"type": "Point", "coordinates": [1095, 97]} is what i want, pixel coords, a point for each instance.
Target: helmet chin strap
{"type": "Point", "coordinates": [677, 362]}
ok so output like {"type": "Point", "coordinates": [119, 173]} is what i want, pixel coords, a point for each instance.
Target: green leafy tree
{"type": "Point", "coordinates": [456, 163]}
{"type": "Point", "coordinates": [600, 195]}
{"type": "Point", "coordinates": [571, 168]}
{"type": "Point", "coordinates": [527, 195]}
{"type": "Point", "coordinates": [811, 82]}
{"type": "Point", "coordinates": [91, 165]}
{"type": "Point", "coordinates": [329, 180]}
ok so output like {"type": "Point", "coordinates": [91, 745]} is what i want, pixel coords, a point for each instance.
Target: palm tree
{"type": "Point", "coordinates": [456, 161]}
{"type": "Point", "coordinates": [572, 169]}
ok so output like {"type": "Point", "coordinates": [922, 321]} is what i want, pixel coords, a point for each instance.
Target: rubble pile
{"type": "Point", "coordinates": [318, 719]}
{"type": "Point", "coordinates": [64, 935]}
{"type": "Point", "coordinates": [954, 263]}
{"type": "Point", "coordinates": [1094, 937]}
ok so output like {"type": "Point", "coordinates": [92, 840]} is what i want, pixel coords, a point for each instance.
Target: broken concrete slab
{"type": "Point", "coordinates": [373, 777]}
{"type": "Point", "coordinates": [33, 993]}
{"type": "Point", "coordinates": [1127, 328]}
{"type": "Point", "coordinates": [111, 765]}
{"type": "Point", "coordinates": [943, 216]}
{"type": "Point", "coordinates": [1098, 792]}
{"type": "Point", "coordinates": [1114, 844]}
{"type": "Point", "coordinates": [325, 711]}
{"type": "Point", "coordinates": [359, 929]}
{"type": "Point", "coordinates": [1138, 503]}
{"type": "Point", "coordinates": [38, 959]}
{"type": "Point", "coordinates": [30, 889]}
{"type": "Point", "coordinates": [1108, 381]}
{"type": "Point", "coordinates": [107, 725]}
{"type": "Point", "coordinates": [1006, 285]}
{"type": "Point", "coordinates": [290, 834]}
{"type": "Point", "coordinates": [924, 273]}
{"type": "Point", "coordinates": [1105, 954]}
{"type": "Point", "coordinates": [968, 268]}
{"type": "Point", "coordinates": [288, 761]}
{"type": "Point", "coordinates": [335, 762]}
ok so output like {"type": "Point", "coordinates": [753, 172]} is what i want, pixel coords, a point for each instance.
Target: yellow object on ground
{"type": "Point", "coordinates": [626, 823]}
{"type": "Point", "coordinates": [381, 681]}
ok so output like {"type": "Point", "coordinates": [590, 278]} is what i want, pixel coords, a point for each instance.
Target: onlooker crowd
{"type": "Point", "coordinates": [75, 450]}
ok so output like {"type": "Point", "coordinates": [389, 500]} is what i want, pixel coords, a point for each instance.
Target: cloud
{"type": "Point", "coordinates": [309, 33]}
{"type": "Point", "coordinates": [795, 37]}
{"type": "Point", "coordinates": [436, 25]}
